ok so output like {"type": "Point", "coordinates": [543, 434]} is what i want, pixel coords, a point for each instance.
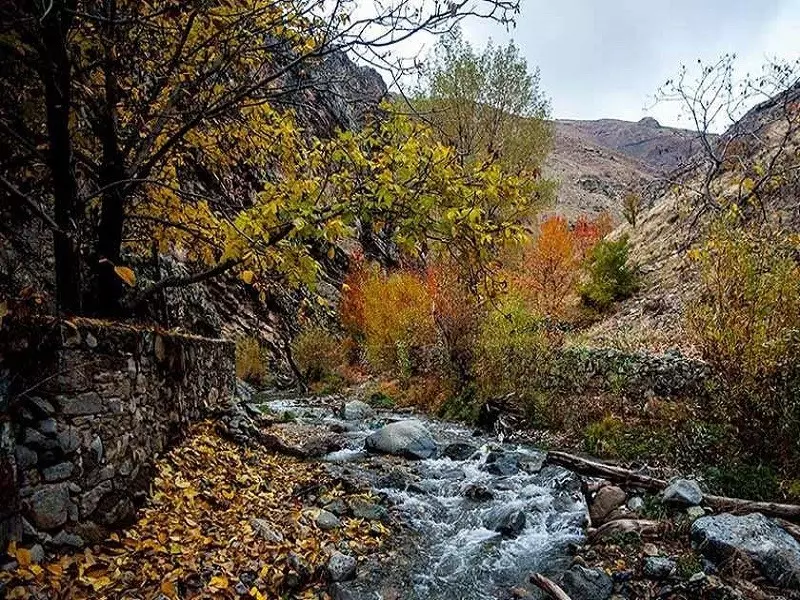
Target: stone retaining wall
{"type": "Point", "coordinates": [630, 373]}
{"type": "Point", "coordinates": [85, 408]}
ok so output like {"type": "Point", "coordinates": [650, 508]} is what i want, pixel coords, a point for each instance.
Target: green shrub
{"type": "Point", "coordinates": [746, 324]}
{"type": "Point", "coordinates": [743, 480]}
{"type": "Point", "coordinates": [319, 355]}
{"type": "Point", "coordinates": [515, 354]}
{"type": "Point", "coordinates": [609, 276]}
{"type": "Point", "coordinates": [250, 360]}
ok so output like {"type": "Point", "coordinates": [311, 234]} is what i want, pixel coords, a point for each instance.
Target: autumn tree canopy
{"type": "Point", "coordinates": [139, 123]}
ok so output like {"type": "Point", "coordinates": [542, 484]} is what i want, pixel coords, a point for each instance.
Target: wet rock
{"type": "Point", "coordinates": [264, 530]}
{"type": "Point", "coordinates": [478, 493]}
{"type": "Point", "coordinates": [459, 451]}
{"type": "Point", "coordinates": [605, 502]}
{"type": "Point", "coordinates": [682, 492]}
{"type": "Point", "coordinates": [409, 439]}
{"type": "Point", "coordinates": [356, 410]}
{"type": "Point", "coordinates": [507, 520]}
{"type": "Point", "coordinates": [658, 567]}
{"type": "Point", "coordinates": [398, 479]}
{"type": "Point", "coordinates": [501, 463]}
{"type": "Point", "coordinates": [341, 567]}
{"type": "Point", "coordinates": [768, 546]}
{"type": "Point", "coordinates": [327, 521]}
{"type": "Point", "coordinates": [362, 509]}
{"type": "Point", "coordinates": [532, 464]}
{"type": "Point", "coordinates": [581, 583]}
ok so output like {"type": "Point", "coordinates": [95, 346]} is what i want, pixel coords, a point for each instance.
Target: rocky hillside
{"type": "Point", "coordinates": [597, 162]}
{"type": "Point", "coordinates": [671, 226]}
{"type": "Point", "coordinates": [662, 148]}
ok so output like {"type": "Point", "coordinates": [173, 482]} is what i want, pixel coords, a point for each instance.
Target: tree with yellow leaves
{"type": "Point", "coordinates": [142, 120]}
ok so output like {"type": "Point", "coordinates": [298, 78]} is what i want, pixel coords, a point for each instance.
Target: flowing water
{"type": "Point", "coordinates": [459, 553]}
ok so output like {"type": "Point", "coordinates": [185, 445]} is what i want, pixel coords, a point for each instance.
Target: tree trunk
{"type": "Point", "coordinates": [56, 77]}
{"type": "Point", "coordinates": [108, 287]}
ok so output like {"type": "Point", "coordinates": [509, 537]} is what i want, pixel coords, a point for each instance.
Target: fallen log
{"type": "Point", "coordinates": [613, 473]}
{"type": "Point", "coordinates": [620, 475]}
{"type": "Point", "coordinates": [549, 587]}
{"type": "Point", "coordinates": [642, 527]}
{"type": "Point", "coordinates": [790, 512]}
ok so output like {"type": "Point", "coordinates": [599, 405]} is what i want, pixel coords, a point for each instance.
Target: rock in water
{"type": "Point", "coordinates": [355, 410]}
{"type": "Point", "coordinates": [581, 583]}
{"type": "Point", "coordinates": [767, 545]}
{"type": "Point", "coordinates": [409, 439]}
{"type": "Point", "coordinates": [683, 492]}
{"type": "Point", "coordinates": [507, 520]}
{"type": "Point", "coordinates": [500, 463]}
{"type": "Point", "coordinates": [459, 451]}
{"type": "Point", "coordinates": [341, 567]}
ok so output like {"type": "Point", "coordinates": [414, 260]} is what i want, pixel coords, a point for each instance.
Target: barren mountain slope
{"type": "Point", "coordinates": [663, 148]}
{"type": "Point", "coordinates": [597, 162]}
{"type": "Point", "coordinates": [592, 178]}
{"type": "Point", "coordinates": [653, 319]}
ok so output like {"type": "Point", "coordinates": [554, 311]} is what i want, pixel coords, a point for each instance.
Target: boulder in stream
{"type": "Point", "coordinates": [764, 542]}
{"type": "Point", "coordinates": [501, 463]}
{"type": "Point", "coordinates": [459, 451]}
{"type": "Point", "coordinates": [409, 439]}
{"type": "Point", "coordinates": [356, 410]}
{"type": "Point", "coordinates": [508, 520]}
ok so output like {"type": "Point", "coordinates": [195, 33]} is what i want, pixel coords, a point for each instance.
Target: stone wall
{"type": "Point", "coordinates": [85, 408]}
{"type": "Point", "coordinates": [630, 373]}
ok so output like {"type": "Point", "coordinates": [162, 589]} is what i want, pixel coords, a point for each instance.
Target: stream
{"type": "Point", "coordinates": [482, 520]}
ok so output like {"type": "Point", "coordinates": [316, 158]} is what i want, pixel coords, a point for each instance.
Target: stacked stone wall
{"type": "Point", "coordinates": [85, 408]}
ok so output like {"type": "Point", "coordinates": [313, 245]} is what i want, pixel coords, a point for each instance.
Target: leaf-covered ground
{"type": "Point", "coordinates": [195, 537]}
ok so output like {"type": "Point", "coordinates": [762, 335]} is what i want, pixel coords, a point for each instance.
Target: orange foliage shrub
{"type": "Point", "coordinates": [393, 314]}
{"type": "Point", "coordinates": [550, 269]}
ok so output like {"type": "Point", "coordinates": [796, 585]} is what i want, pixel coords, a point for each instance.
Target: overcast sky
{"type": "Point", "coordinates": [606, 58]}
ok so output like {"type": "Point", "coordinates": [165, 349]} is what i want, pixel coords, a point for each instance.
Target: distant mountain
{"type": "Point", "coordinates": [663, 148]}
{"type": "Point", "coordinates": [597, 162]}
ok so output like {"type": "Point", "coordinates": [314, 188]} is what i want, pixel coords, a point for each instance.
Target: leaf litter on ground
{"type": "Point", "coordinates": [221, 521]}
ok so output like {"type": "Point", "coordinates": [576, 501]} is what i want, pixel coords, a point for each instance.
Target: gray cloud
{"type": "Point", "coordinates": [606, 58]}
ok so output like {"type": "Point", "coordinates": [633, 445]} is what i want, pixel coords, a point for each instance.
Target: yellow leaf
{"type": "Point", "coordinates": [247, 277]}
{"type": "Point", "coordinates": [126, 274]}
{"type": "Point", "coordinates": [168, 589]}
{"type": "Point", "coordinates": [219, 582]}
{"type": "Point", "coordinates": [24, 557]}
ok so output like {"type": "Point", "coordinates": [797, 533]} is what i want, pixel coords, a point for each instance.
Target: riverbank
{"type": "Point", "coordinates": [278, 498]}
